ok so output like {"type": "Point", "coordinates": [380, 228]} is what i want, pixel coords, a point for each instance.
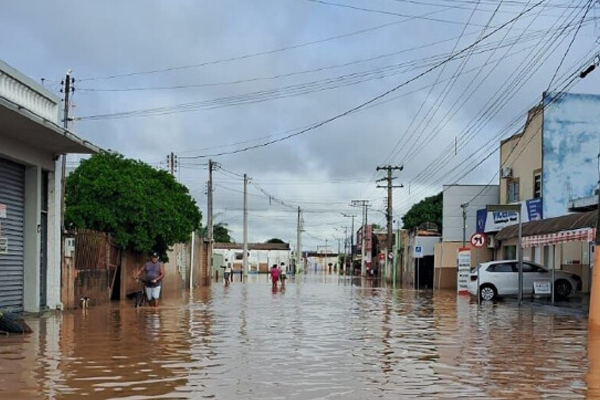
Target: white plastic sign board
{"type": "Point", "coordinates": [542, 287]}
{"type": "Point", "coordinates": [464, 268]}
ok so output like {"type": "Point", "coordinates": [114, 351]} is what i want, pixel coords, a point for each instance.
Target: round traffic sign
{"type": "Point", "coordinates": [478, 240]}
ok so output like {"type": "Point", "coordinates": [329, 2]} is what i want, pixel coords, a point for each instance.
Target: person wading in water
{"type": "Point", "coordinates": [155, 272]}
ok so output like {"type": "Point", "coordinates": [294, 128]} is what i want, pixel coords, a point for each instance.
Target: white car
{"type": "Point", "coordinates": [501, 278]}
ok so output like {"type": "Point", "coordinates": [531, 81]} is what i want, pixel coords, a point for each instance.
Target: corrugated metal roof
{"type": "Point", "coordinates": [551, 225]}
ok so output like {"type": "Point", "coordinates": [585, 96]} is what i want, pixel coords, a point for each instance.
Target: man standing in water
{"type": "Point", "coordinates": [155, 272]}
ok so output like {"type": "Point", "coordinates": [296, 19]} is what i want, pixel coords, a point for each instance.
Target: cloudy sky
{"type": "Point", "coordinates": [306, 97]}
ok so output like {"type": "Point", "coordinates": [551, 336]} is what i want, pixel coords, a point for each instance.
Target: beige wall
{"type": "Point", "coordinates": [523, 153]}
{"type": "Point", "coordinates": [445, 264]}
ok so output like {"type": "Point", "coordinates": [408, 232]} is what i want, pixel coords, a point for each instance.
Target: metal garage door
{"type": "Point", "coordinates": [12, 200]}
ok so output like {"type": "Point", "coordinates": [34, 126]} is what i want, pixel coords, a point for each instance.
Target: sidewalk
{"type": "Point", "coordinates": [578, 304]}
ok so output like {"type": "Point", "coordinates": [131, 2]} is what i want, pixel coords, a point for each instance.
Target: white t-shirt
{"type": "Point", "coordinates": [283, 269]}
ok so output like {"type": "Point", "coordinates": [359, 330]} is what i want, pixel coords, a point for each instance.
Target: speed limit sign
{"type": "Point", "coordinates": [478, 240]}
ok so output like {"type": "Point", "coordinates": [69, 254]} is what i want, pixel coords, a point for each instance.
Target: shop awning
{"type": "Point", "coordinates": [568, 228]}
{"type": "Point", "coordinates": [586, 235]}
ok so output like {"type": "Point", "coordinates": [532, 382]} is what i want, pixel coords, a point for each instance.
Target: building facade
{"type": "Point", "coordinates": [546, 168]}
{"type": "Point", "coordinates": [31, 144]}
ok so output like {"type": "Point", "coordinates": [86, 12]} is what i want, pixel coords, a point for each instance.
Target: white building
{"type": "Point", "coordinates": [31, 142]}
{"type": "Point", "coordinates": [475, 197]}
{"type": "Point", "coordinates": [261, 256]}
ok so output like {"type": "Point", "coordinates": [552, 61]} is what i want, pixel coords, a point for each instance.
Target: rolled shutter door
{"type": "Point", "coordinates": [12, 203]}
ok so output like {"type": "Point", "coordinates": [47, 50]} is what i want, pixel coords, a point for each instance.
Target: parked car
{"type": "Point", "coordinates": [501, 278]}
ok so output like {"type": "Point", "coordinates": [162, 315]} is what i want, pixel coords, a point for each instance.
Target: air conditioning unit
{"type": "Point", "coordinates": [491, 241]}
{"type": "Point", "coordinates": [506, 172]}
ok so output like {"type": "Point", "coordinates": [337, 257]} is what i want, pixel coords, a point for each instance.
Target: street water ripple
{"type": "Point", "coordinates": [322, 337]}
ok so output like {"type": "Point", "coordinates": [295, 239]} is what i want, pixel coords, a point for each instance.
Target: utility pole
{"type": "Point", "coordinates": [351, 269]}
{"type": "Point", "coordinates": [68, 89]}
{"type": "Point", "coordinates": [209, 201]}
{"type": "Point", "coordinates": [390, 213]}
{"type": "Point", "coordinates": [298, 241]}
{"type": "Point", "coordinates": [364, 204]}
{"type": "Point", "coordinates": [325, 262]}
{"type": "Point", "coordinates": [345, 249]}
{"type": "Point", "coordinates": [245, 257]}
{"type": "Point", "coordinates": [172, 163]}
{"type": "Point", "coordinates": [464, 215]}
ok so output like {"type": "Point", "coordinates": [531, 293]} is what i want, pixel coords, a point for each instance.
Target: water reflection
{"type": "Point", "coordinates": [323, 336]}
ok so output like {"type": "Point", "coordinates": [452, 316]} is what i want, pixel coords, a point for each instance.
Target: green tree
{"type": "Point", "coordinates": [274, 240]}
{"type": "Point", "coordinates": [144, 209]}
{"type": "Point", "coordinates": [221, 233]}
{"type": "Point", "coordinates": [427, 211]}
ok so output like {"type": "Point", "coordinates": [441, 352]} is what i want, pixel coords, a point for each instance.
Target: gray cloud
{"type": "Point", "coordinates": [321, 170]}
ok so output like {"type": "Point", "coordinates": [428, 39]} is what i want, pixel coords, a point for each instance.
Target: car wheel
{"type": "Point", "coordinates": [562, 288]}
{"type": "Point", "coordinates": [487, 292]}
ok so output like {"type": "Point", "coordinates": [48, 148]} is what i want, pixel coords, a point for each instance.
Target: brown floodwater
{"type": "Point", "coordinates": [323, 337]}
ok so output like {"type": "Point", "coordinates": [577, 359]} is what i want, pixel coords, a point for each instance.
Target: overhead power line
{"type": "Point", "coordinates": [262, 53]}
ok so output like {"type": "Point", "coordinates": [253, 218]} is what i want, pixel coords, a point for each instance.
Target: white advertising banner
{"type": "Point", "coordinates": [464, 268]}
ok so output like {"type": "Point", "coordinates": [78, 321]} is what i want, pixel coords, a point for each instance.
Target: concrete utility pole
{"type": "Point", "coordinates": [209, 201]}
{"type": "Point", "coordinates": [351, 269]}
{"type": "Point", "coordinates": [172, 161]}
{"type": "Point", "coordinates": [390, 213]}
{"type": "Point", "coordinates": [464, 215]}
{"type": "Point", "coordinates": [298, 241]}
{"type": "Point", "coordinates": [68, 89]}
{"type": "Point", "coordinates": [209, 222]}
{"type": "Point", "coordinates": [245, 257]}
{"type": "Point", "coordinates": [364, 204]}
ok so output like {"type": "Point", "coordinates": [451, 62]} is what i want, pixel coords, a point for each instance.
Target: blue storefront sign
{"type": "Point", "coordinates": [532, 210]}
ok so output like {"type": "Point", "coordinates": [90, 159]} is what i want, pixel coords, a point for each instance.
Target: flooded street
{"type": "Point", "coordinates": [323, 337]}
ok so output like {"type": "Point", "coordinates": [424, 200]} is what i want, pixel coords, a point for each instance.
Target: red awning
{"type": "Point", "coordinates": [584, 234]}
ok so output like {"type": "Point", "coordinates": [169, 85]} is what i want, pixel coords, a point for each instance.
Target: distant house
{"type": "Point", "coordinates": [31, 142]}
{"type": "Point", "coordinates": [261, 256]}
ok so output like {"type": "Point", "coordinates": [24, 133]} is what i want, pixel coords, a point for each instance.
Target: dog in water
{"type": "Point", "coordinates": [85, 301]}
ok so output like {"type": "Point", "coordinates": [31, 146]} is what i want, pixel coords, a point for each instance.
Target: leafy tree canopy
{"type": "Point", "coordinates": [426, 211]}
{"type": "Point", "coordinates": [144, 209]}
{"type": "Point", "coordinates": [274, 240]}
{"type": "Point", "coordinates": [221, 233]}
